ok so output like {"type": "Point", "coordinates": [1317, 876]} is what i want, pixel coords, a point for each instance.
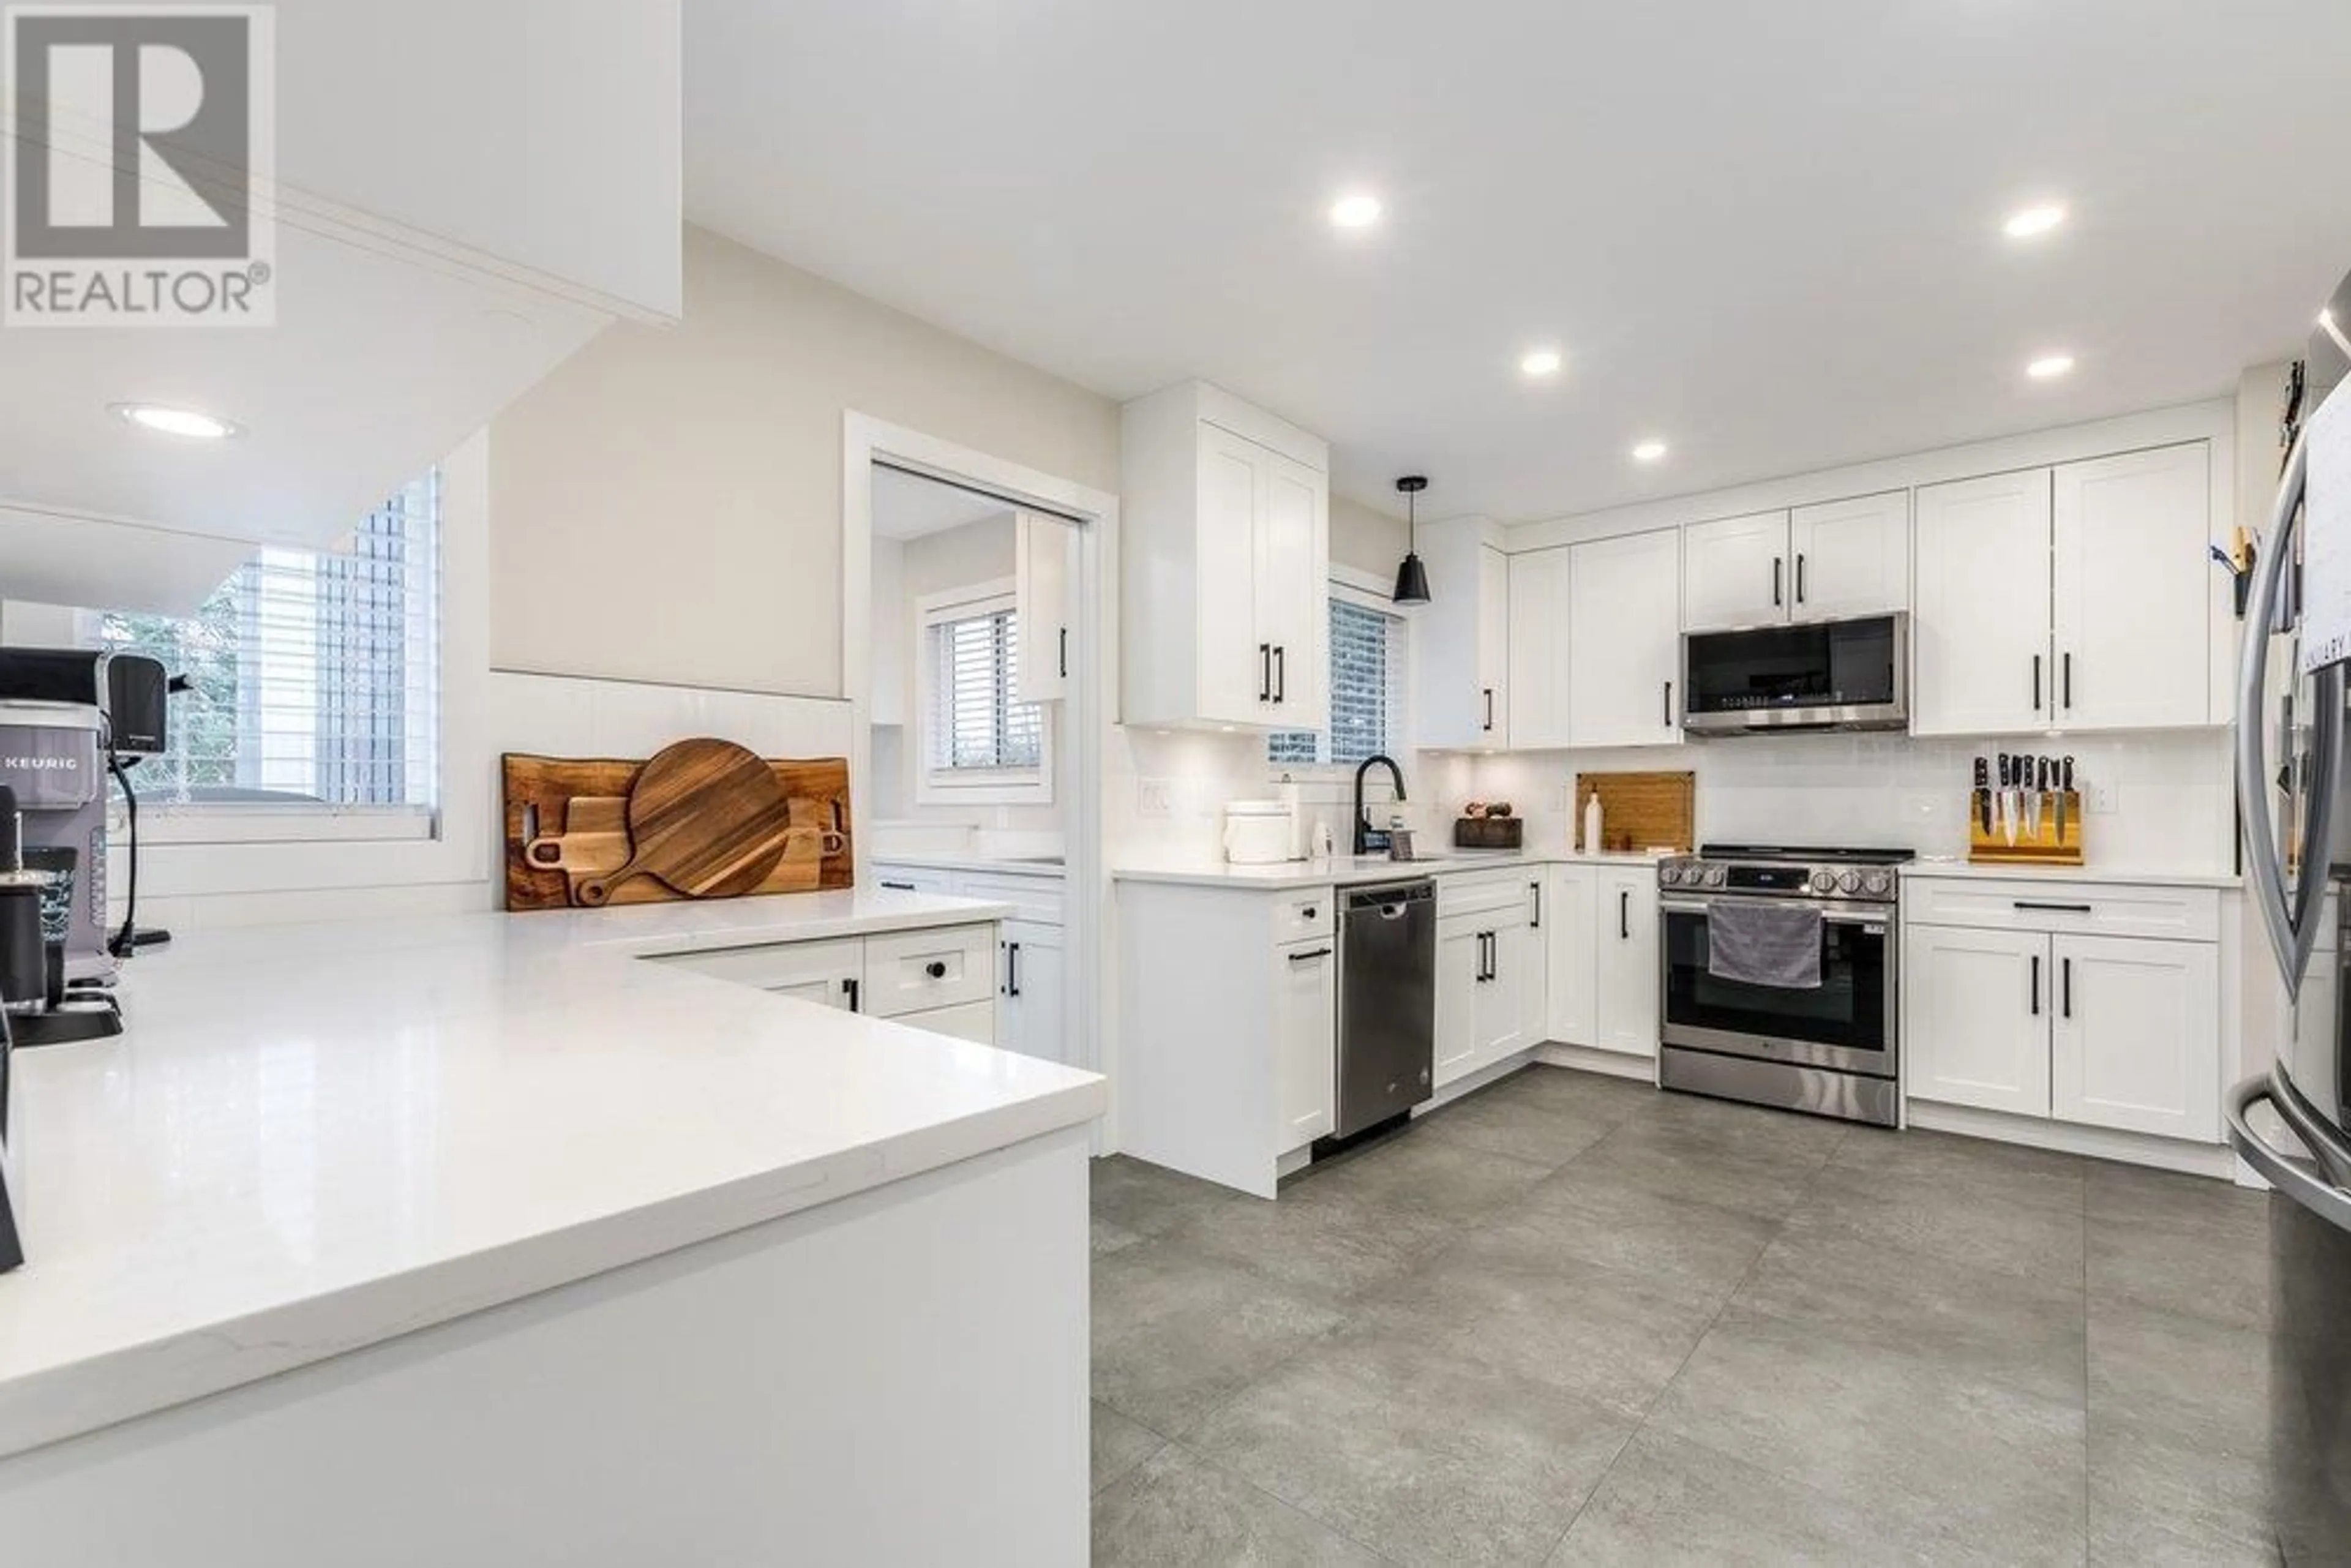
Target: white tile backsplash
{"type": "Point", "coordinates": [2174, 804]}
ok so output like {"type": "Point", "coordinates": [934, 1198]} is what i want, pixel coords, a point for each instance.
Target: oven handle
{"type": "Point", "coordinates": [1828, 916]}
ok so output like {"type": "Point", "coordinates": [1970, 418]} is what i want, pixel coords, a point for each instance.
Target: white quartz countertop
{"type": "Point", "coordinates": [1344, 871]}
{"type": "Point", "coordinates": [312, 1138]}
{"type": "Point", "coordinates": [2124, 876]}
{"type": "Point", "coordinates": [998, 865]}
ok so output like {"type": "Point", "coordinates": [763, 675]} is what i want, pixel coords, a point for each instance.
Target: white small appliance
{"type": "Point", "coordinates": [1259, 832]}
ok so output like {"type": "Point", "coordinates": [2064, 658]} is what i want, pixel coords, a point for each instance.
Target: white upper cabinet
{"type": "Point", "coordinates": [1040, 575]}
{"type": "Point", "coordinates": [431, 265]}
{"type": "Point", "coordinates": [1849, 557]}
{"type": "Point", "coordinates": [1538, 678]}
{"type": "Point", "coordinates": [1225, 562]}
{"type": "Point", "coordinates": [1461, 638]}
{"type": "Point", "coordinates": [2077, 597]}
{"type": "Point", "coordinates": [1624, 641]}
{"type": "Point", "coordinates": [1814, 563]}
{"type": "Point", "coordinates": [1735, 571]}
{"type": "Point", "coordinates": [2133, 590]}
{"type": "Point", "coordinates": [1979, 629]}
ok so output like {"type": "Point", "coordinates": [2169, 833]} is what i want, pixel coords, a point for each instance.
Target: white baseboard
{"type": "Point", "coordinates": [2097, 1143]}
{"type": "Point", "coordinates": [1585, 1059]}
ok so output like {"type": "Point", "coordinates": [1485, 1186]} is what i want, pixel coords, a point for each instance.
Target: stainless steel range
{"type": "Point", "coordinates": [1779, 983]}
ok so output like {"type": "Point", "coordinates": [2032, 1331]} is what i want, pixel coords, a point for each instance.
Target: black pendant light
{"type": "Point", "coordinates": [1412, 577]}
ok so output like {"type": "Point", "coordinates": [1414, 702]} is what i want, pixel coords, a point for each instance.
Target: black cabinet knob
{"type": "Point", "coordinates": [936, 970]}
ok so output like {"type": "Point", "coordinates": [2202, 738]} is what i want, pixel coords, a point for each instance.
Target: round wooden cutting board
{"type": "Point", "coordinates": [708, 818]}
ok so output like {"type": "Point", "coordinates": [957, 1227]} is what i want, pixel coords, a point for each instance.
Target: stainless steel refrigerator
{"type": "Point", "coordinates": [2289, 1120]}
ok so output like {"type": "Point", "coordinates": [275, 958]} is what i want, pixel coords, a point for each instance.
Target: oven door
{"type": "Point", "coordinates": [1848, 1023]}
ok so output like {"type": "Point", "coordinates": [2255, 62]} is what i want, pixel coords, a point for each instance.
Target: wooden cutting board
{"type": "Point", "coordinates": [566, 821]}
{"type": "Point", "coordinates": [1640, 810]}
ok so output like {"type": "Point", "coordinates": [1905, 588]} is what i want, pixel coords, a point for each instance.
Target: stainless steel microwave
{"type": "Point", "coordinates": [1830, 674]}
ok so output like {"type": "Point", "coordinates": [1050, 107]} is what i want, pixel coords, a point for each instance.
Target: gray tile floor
{"type": "Point", "coordinates": [1570, 1319]}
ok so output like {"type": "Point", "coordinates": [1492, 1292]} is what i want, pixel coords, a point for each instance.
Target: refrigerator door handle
{"type": "Point", "coordinates": [2290, 919]}
{"type": "Point", "coordinates": [2321, 1191]}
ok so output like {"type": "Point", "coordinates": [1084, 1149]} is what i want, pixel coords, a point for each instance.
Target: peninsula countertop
{"type": "Point", "coordinates": [316, 1137]}
{"type": "Point", "coordinates": [1353, 871]}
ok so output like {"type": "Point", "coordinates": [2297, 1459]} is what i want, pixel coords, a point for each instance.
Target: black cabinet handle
{"type": "Point", "coordinates": [1625, 915]}
{"type": "Point", "coordinates": [2065, 675]}
{"type": "Point", "coordinates": [1489, 692]}
{"type": "Point", "coordinates": [850, 988]}
{"type": "Point", "coordinates": [936, 969]}
{"type": "Point", "coordinates": [1308, 913]}
{"type": "Point", "coordinates": [2065, 981]}
{"type": "Point", "coordinates": [1800, 576]}
{"type": "Point", "coordinates": [901, 886]}
{"type": "Point", "coordinates": [1310, 958]}
{"type": "Point", "coordinates": [1536, 888]}
{"type": "Point", "coordinates": [1775, 582]}
{"type": "Point", "coordinates": [1281, 673]}
{"type": "Point", "coordinates": [2036, 985]}
{"type": "Point", "coordinates": [1012, 969]}
{"type": "Point", "coordinates": [1065, 652]}
{"type": "Point", "coordinates": [2051, 908]}
{"type": "Point", "coordinates": [1265, 672]}
{"type": "Point", "coordinates": [2036, 682]}
{"type": "Point", "coordinates": [1669, 705]}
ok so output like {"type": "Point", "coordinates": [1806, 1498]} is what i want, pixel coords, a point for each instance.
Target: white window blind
{"type": "Point", "coordinates": [974, 723]}
{"type": "Point", "coordinates": [1367, 677]}
{"type": "Point", "coordinates": [314, 675]}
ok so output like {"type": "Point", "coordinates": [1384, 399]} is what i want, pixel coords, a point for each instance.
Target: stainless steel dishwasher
{"type": "Point", "coordinates": [1387, 1001]}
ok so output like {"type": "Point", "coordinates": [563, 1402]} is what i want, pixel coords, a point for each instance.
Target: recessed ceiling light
{"type": "Point", "coordinates": [2033, 222]}
{"type": "Point", "coordinates": [2049, 367]}
{"type": "Point", "coordinates": [1359, 211]}
{"type": "Point", "coordinates": [175, 421]}
{"type": "Point", "coordinates": [1540, 362]}
{"type": "Point", "coordinates": [1649, 452]}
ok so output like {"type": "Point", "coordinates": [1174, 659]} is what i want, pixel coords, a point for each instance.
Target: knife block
{"type": "Point", "coordinates": [2048, 848]}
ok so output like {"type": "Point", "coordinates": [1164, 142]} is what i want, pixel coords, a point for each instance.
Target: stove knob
{"type": "Point", "coordinates": [1714, 876]}
{"type": "Point", "coordinates": [1850, 882]}
{"type": "Point", "coordinates": [1824, 882]}
{"type": "Point", "coordinates": [1877, 883]}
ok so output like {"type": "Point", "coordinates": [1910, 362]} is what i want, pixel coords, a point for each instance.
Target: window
{"type": "Point", "coordinates": [1367, 678]}
{"type": "Point", "coordinates": [314, 678]}
{"type": "Point", "coordinates": [980, 741]}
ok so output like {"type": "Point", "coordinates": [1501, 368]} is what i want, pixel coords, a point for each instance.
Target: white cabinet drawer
{"type": "Point", "coordinates": [915, 971]}
{"type": "Point", "coordinates": [1301, 916]}
{"type": "Point", "coordinates": [782, 966]}
{"type": "Point", "coordinates": [975, 1021]}
{"type": "Point", "coordinates": [912, 878]}
{"type": "Point", "coordinates": [1037, 899]}
{"type": "Point", "coordinates": [1480, 892]}
{"type": "Point", "coordinates": [2108, 909]}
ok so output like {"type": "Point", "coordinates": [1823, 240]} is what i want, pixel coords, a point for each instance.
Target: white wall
{"type": "Point", "coordinates": [668, 502]}
{"type": "Point", "coordinates": [1367, 541]}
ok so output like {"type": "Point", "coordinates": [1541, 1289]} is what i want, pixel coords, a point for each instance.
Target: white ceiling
{"type": "Point", "coordinates": [1768, 233]}
{"type": "Point", "coordinates": [910, 507]}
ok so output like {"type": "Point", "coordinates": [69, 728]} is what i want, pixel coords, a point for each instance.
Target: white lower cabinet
{"type": "Point", "coordinates": [1624, 989]}
{"type": "Point", "coordinates": [1305, 1028]}
{"type": "Point", "coordinates": [1489, 972]}
{"type": "Point", "coordinates": [934, 978]}
{"type": "Point", "coordinates": [1571, 929]}
{"type": "Point", "coordinates": [2041, 1017]}
{"type": "Point", "coordinates": [1460, 969]}
{"type": "Point", "coordinates": [1030, 984]}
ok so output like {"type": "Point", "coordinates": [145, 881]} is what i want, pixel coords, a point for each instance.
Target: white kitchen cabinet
{"type": "Point", "coordinates": [1032, 983]}
{"type": "Point", "coordinates": [1537, 681]}
{"type": "Point", "coordinates": [1625, 975]}
{"type": "Point", "coordinates": [2077, 597]}
{"type": "Point", "coordinates": [2131, 1041]}
{"type": "Point", "coordinates": [1849, 557]}
{"type": "Point", "coordinates": [1461, 639]}
{"type": "Point", "coordinates": [1305, 1028]}
{"type": "Point", "coordinates": [1040, 577]}
{"type": "Point", "coordinates": [913, 878]}
{"type": "Point", "coordinates": [1225, 564]}
{"type": "Point", "coordinates": [1624, 641]}
{"type": "Point", "coordinates": [2037, 1013]}
{"type": "Point", "coordinates": [2133, 591]}
{"type": "Point", "coordinates": [1975, 1012]}
{"type": "Point", "coordinates": [1490, 983]}
{"type": "Point", "coordinates": [1735, 573]}
{"type": "Point", "coordinates": [1571, 930]}
{"type": "Point", "coordinates": [1460, 977]}
{"type": "Point", "coordinates": [1510, 1007]}
{"type": "Point", "coordinates": [827, 973]}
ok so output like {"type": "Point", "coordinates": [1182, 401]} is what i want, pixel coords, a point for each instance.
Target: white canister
{"type": "Point", "coordinates": [1257, 832]}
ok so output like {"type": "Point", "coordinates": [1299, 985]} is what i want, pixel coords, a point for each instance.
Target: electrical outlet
{"type": "Point", "coordinates": [2099, 800]}
{"type": "Point", "coordinates": [1154, 797]}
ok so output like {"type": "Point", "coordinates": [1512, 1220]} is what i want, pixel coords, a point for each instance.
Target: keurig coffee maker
{"type": "Point", "coordinates": [66, 716]}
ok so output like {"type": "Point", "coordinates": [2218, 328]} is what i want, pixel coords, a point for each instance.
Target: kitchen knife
{"type": "Point", "coordinates": [2064, 792]}
{"type": "Point", "coordinates": [1981, 802]}
{"type": "Point", "coordinates": [2008, 804]}
{"type": "Point", "coordinates": [2036, 780]}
